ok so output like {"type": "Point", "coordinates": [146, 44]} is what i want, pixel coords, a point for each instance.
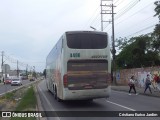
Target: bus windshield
{"type": "Point", "coordinates": [86, 41]}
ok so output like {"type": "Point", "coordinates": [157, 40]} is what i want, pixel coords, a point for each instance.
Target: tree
{"type": "Point", "coordinates": [156, 38]}
{"type": "Point", "coordinates": [140, 51]}
{"type": "Point", "coordinates": [156, 32]}
{"type": "Point", "coordinates": [137, 53]}
{"type": "Point", "coordinates": [44, 73]}
{"type": "Point", "coordinates": [157, 9]}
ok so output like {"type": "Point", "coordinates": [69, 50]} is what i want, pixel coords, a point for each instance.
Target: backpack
{"type": "Point", "coordinates": [148, 82]}
{"type": "Point", "coordinates": [158, 80]}
{"type": "Point", "coordinates": [130, 83]}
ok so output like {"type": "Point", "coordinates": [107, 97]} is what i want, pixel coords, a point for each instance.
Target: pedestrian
{"type": "Point", "coordinates": [158, 83]}
{"type": "Point", "coordinates": [3, 80]}
{"type": "Point", "coordinates": [154, 82]}
{"type": "Point", "coordinates": [147, 84]}
{"type": "Point", "coordinates": [132, 85]}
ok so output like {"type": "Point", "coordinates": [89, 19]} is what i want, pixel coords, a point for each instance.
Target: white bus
{"type": "Point", "coordinates": [79, 66]}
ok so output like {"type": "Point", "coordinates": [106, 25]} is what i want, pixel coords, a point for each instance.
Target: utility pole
{"type": "Point", "coordinates": [105, 11]}
{"type": "Point", "coordinates": [27, 70]}
{"type": "Point", "coordinates": [113, 48]}
{"type": "Point", "coordinates": [2, 65]}
{"type": "Point", "coordinates": [17, 69]}
{"type": "Point", "coordinates": [101, 15]}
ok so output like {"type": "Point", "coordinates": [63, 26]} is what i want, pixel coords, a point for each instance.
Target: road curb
{"type": "Point", "coordinates": [140, 91]}
{"type": "Point", "coordinates": [1, 83]}
{"type": "Point", "coordinates": [39, 103]}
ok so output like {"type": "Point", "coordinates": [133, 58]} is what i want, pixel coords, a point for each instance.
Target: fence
{"type": "Point", "coordinates": [122, 76]}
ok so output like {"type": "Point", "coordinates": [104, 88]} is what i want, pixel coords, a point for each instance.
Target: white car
{"type": "Point", "coordinates": [16, 81]}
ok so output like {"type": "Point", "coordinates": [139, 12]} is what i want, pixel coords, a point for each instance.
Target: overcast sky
{"type": "Point", "coordinates": [30, 28]}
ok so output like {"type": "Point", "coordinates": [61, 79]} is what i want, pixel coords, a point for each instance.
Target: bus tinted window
{"type": "Point", "coordinates": [86, 41]}
{"type": "Point", "coordinates": [87, 65]}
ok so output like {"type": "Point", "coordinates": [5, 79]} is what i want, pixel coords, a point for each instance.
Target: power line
{"type": "Point", "coordinates": [126, 10]}
{"type": "Point", "coordinates": [14, 61]}
{"type": "Point", "coordinates": [133, 14]}
{"type": "Point", "coordinates": [129, 17]}
{"type": "Point", "coordinates": [135, 25]}
{"type": "Point", "coordinates": [95, 20]}
{"type": "Point", "coordinates": [92, 17]}
{"type": "Point", "coordinates": [115, 2]}
{"type": "Point", "coordinates": [119, 3]}
{"type": "Point", "coordinates": [142, 30]}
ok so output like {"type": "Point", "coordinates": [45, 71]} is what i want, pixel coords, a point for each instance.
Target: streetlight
{"type": "Point", "coordinates": [93, 28]}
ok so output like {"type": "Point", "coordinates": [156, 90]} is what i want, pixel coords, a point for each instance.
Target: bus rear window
{"type": "Point", "coordinates": [87, 65]}
{"type": "Point", "coordinates": [86, 41]}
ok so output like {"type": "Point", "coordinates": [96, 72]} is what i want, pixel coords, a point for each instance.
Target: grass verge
{"type": "Point", "coordinates": [27, 103]}
{"type": "Point", "coordinates": [8, 96]}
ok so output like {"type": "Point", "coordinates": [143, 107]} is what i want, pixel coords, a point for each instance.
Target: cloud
{"type": "Point", "coordinates": [30, 28]}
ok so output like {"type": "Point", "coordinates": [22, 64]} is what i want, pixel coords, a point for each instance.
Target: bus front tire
{"type": "Point", "coordinates": [56, 97]}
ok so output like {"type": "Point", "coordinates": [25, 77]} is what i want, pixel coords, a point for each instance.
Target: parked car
{"type": "Point", "coordinates": [31, 78]}
{"type": "Point", "coordinates": [7, 81]}
{"type": "Point", "coordinates": [24, 77]}
{"type": "Point", "coordinates": [16, 81]}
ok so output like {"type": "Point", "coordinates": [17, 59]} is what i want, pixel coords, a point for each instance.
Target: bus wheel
{"type": "Point", "coordinates": [89, 100]}
{"type": "Point", "coordinates": [55, 94]}
{"type": "Point", "coordinates": [47, 87]}
{"type": "Point", "coordinates": [56, 97]}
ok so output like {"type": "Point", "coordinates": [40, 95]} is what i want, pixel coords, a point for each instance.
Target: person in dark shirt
{"type": "Point", "coordinates": [147, 84]}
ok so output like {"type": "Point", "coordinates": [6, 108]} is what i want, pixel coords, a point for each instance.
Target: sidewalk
{"type": "Point", "coordinates": [1, 83]}
{"type": "Point", "coordinates": [139, 90]}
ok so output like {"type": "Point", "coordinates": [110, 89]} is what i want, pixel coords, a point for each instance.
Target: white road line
{"type": "Point", "coordinates": [120, 105]}
{"type": "Point", "coordinates": [124, 92]}
{"type": "Point", "coordinates": [49, 104]}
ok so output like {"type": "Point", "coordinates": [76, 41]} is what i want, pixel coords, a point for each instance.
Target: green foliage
{"type": "Point", "coordinates": [44, 73]}
{"type": "Point", "coordinates": [156, 32]}
{"type": "Point", "coordinates": [23, 118]}
{"type": "Point", "coordinates": [8, 95]}
{"type": "Point", "coordinates": [137, 53]}
{"type": "Point", "coordinates": [156, 38]}
{"type": "Point", "coordinates": [157, 9]}
{"type": "Point", "coordinates": [34, 74]}
{"type": "Point", "coordinates": [28, 101]}
{"type": "Point", "coordinates": [141, 51]}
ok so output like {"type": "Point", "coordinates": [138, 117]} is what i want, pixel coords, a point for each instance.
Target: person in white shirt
{"type": "Point", "coordinates": [132, 85]}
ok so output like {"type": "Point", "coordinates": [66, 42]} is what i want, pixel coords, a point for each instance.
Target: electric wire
{"type": "Point", "coordinates": [142, 22]}
{"type": "Point", "coordinates": [141, 30]}
{"type": "Point", "coordinates": [134, 14]}
{"type": "Point", "coordinates": [129, 17]}
{"type": "Point", "coordinates": [91, 18]}
{"type": "Point", "coordinates": [126, 10]}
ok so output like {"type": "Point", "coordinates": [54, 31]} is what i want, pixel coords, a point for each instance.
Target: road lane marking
{"type": "Point", "coordinates": [124, 92]}
{"type": "Point", "coordinates": [120, 105]}
{"type": "Point", "coordinates": [49, 104]}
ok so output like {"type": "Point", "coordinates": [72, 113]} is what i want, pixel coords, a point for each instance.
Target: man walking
{"type": "Point", "coordinates": [147, 84]}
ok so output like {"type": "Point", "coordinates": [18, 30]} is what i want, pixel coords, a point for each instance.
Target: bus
{"type": "Point", "coordinates": [79, 66]}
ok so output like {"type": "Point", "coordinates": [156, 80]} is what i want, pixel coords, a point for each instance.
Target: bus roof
{"type": "Point", "coordinates": [98, 32]}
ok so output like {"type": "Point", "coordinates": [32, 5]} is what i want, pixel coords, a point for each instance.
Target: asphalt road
{"type": "Point", "coordinates": [7, 87]}
{"type": "Point", "coordinates": [118, 101]}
